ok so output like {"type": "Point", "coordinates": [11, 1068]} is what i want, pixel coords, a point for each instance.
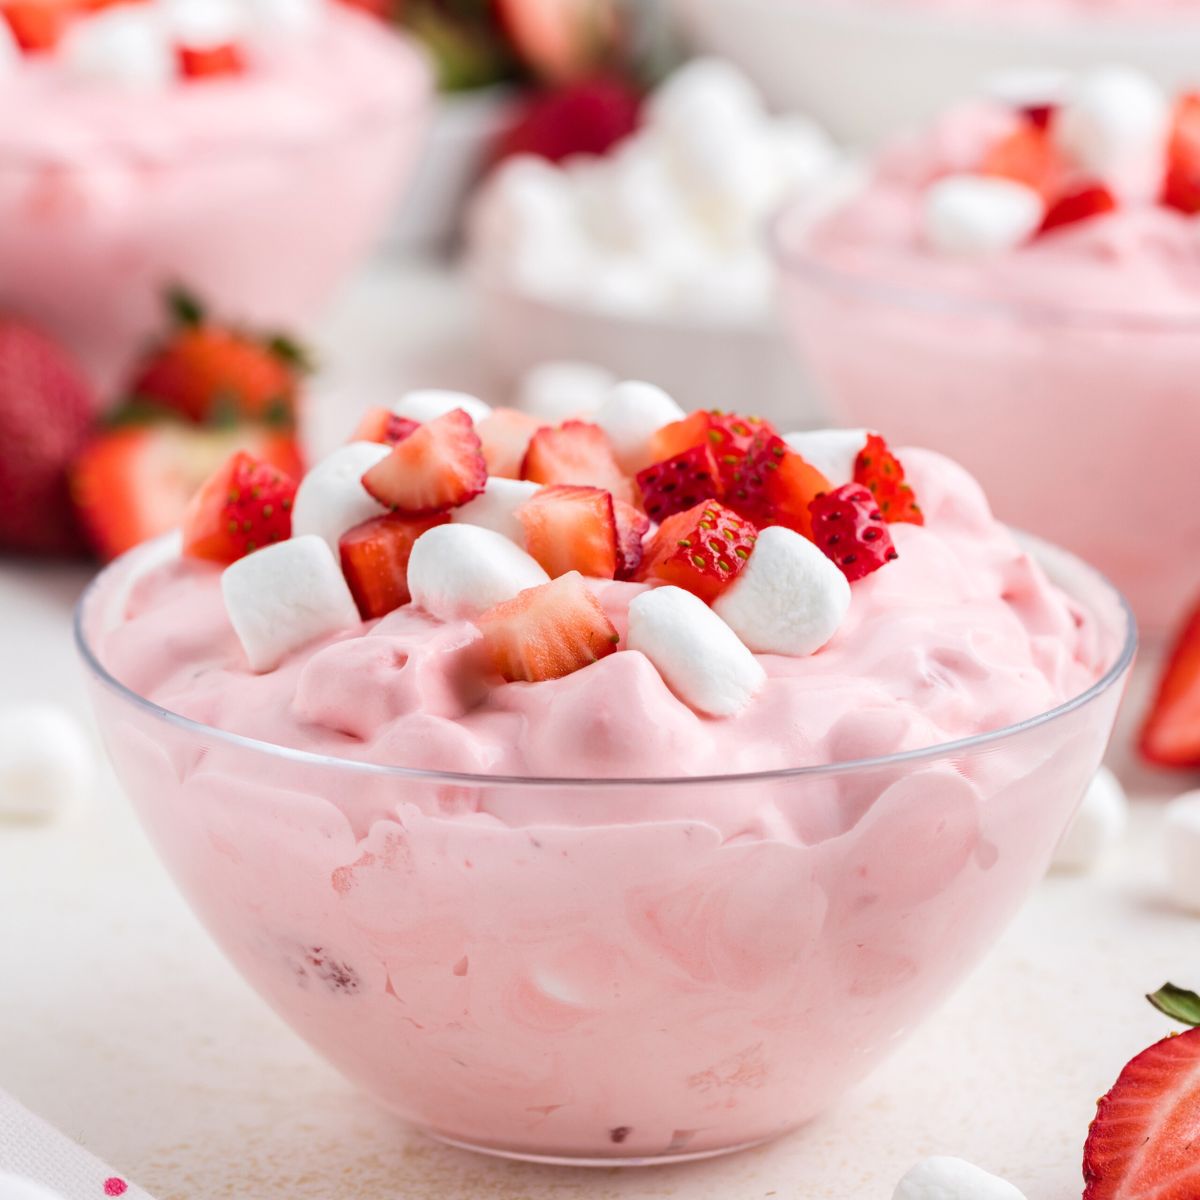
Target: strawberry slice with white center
{"type": "Point", "coordinates": [572, 529]}
{"type": "Point", "coordinates": [375, 558]}
{"type": "Point", "coordinates": [505, 434]}
{"type": "Point", "coordinates": [577, 452]}
{"type": "Point", "coordinates": [547, 632]}
{"type": "Point", "coordinates": [438, 466]}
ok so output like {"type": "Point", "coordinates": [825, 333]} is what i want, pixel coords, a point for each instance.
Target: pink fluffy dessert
{"type": "Point", "coordinates": [259, 190]}
{"type": "Point", "coordinates": [559, 937]}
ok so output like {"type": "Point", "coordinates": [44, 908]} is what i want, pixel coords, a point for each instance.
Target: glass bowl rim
{"type": "Point", "coordinates": [1112, 675]}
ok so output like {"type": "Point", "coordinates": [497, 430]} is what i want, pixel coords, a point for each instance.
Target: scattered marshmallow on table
{"type": "Point", "coordinates": [699, 657]}
{"type": "Point", "coordinates": [1097, 825]}
{"type": "Point", "coordinates": [943, 1178]}
{"type": "Point", "coordinates": [496, 507]}
{"type": "Point", "coordinates": [331, 498]}
{"type": "Point", "coordinates": [789, 598]}
{"type": "Point", "coordinates": [558, 391]}
{"type": "Point", "coordinates": [428, 404]}
{"type": "Point", "coordinates": [630, 415]}
{"type": "Point", "coordinates": [832, 451]}
{"type": "Point", "coordinates": [969, 215]}
{"type": "Point", "coordinates": [1181, 829]}
{"type": "Point", "coordinates": [46, 762]}
{"type": "Point", "coordinates": [459, 571]}
{"type": "Point", "coordinates": [284, 596]}
{"type": "Point", "coordinates": [127, 46]}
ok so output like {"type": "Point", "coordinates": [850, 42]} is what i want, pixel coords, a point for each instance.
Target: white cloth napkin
{"type": "Point", "coordinates": [32, 1150]}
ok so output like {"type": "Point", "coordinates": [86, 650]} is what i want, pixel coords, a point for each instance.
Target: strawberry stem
{"type": "Point", "coordinates": [1177, 1003]}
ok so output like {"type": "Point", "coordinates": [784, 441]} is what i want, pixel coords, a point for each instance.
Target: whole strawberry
{"type": "Point", "coordinates": [46, 412]}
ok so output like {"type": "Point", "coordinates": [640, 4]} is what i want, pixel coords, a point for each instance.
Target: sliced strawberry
{"type": "Point", "coordinates": [571, 529]}
{"type": "Point", "coordinates": [244, 505]}
{"type": "Point", "coordinates": [632, 527]}
{"type": "Point", "coordinates": [880, 472]}
{"type": "Point", "coordinates": [775, 486]}
{"type": "Point", "coordinates": [375, 560]}
{"type": "Point", "coordinates": [578, 453]}
{"type": "Point", "coordinates": [1171, 734]}
{"type": "Point", "coordinates": [438, 466]}
{"type": "Point", "coordinates": [701, 550]}
{"type": "Point", "coordinates": [728, 435]}
{"type": "Point", "coordinates": [680, 436]}
{"type": "Point", "coordinates": [37, 25]}
{"type": "Point", "coordinates": [849, 528]}
{"type": "Point", "coordinates": [211, 62]}
{"type": "Point", "coordinates": [1080, 203]}
{"type": "Point", "coordinates": [505, 434]}
{"type": "Point", "coordinates": [383, 426]}
{"type": "Point", "coordinates": [1030, 156]}
{"type": "Point", "coordinates": [1181, 187]}
{"type": "Point", "coordinates": [546, 632]}
{"type": "Point", "coordinates": [680, 483]}
{"type": "Point", "coordinates": [1143, 1143]}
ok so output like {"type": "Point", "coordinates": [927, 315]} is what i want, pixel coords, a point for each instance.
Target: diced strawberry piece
{"type": "Point", "coordinates": [1171, 734]}
{"type": "Point", "coordinates": [37, 25]}
{"type": "Point", "coordinates": [680, 436]}
{"type": "Point", "coordinates": [1030, 156]}
{"type": "Point", "coordinates": [211, 62]}
{"type": "Point", "coordinates": [701, 550]}
{"type": "Point", "coordinates": [1142, 1144]}
{"type": "Point", "coordinates": [880, 472]}
{"type": "Point", "coordinates": [375, 560]}
{"type": "Point", "coordinates": [505, 435]}
{"type": "Point", "coordinates": [632, 527]}
{"type": "Point", "coordinates": [1080, 203]}
{"type": "Point", "coordinates": [588, 117]}
{"type": "Point", "coordinates": [729, 435]}
{"type": "Point", "coordinates": [547, 632]}
{"type": "Point", "coordinates": [1181, 187]}
{"type": "Point", "coordinates": [578, 453]}
{"type": "Point", "coordinates": [383, 426]}
{"type": "Point", "coordinates": [680, 483]}
{"type": "Point", "coordinates": [438, 466]}
{"type": "Point", "coordinates": [1039, 116]}
{"type": "Point", "coordinates": [849, 528]}
{"type": "Point", "coordinates": [243, 506]}
{"type": "Point", "coordinates": [571, 529]}
{"type": "Point", "coordinates": [775, 486]}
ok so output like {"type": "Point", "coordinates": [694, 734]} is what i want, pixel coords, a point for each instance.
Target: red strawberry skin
{"type": "Point", "coordinates": [212, 62]}
{"type": "Point", "coordinates": [244, 506]}
{"type": "Point", "coordinates": [729, 436]}
{"type": "Point", "coordinates": [375, 558]}
{"type": "Point", "coordinates": [850, 530]}
{"type": "Point", "coordinates": [46, 413]}
{"type": "Point", "coordinates": [589, 117]}
{"type": "Point", "coordinates": [879, 471]}
{"type": "Point", "coordinates": [1144, 1143]}
{"type": "Point", "coordinates": [702, 550]}
{"type": "Point", "coordinates": [1030, 156]}
{"type": "Point", "coordinates": [438, 466]}
{"type": "Point", "coordinates": [1171, 734]}
{"type": "Point", "coordinates": [571, 529]}
{"type": "Point", "coordinates": [37, 25]}
{"type": "Point", "coordinates": [680, 483]}
{"type": "Point", "coordinates": [773, 485]}
{"type": "Point", "coordinates": [1181, 186]}
{"type": "Point", "coordinates": [1079, 204]}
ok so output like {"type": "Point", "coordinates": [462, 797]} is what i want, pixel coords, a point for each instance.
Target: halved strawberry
{"type": "Point", "coordinates": [775, 486]}
{"type": "Point", "coordinates": [1181, 186]}
{"type": "Point", "coordinates": [375, 560]}
{"type": "Point", "coordinates": [880, 472]}
{"type": "Point", "coordinates": [383, 426]}
{"type": "Point", "coordinates": [680, 483]}
{"type": "Point", "coordinates": [728, 435]}
{"type": "Point", "coordinates": [701, 550]}
{"type": "Point", "coordinates": [849, 529]}
{"type": "Point", "coordinates": [37, 25]}
{"type": "Point", "coordinates": [211, 62]}
{"type": "Point", "coordinates": [134, 483]}
{"type": "Point", "coordinates": [244, 505]}
{"type": "Point", "coordinates": [1144, 1143]}
{"type": "Point", "coordinates": [438, 466]}
{"type": "Point", "coordinates": [572, 529]}
{"type": "Point", "coordinates": [1171, 734]}
{"type": "Point", "coordinates": [505, 434]}
{"type": "Point", "coordinates": [1028, 155]}
{"type": "Point", "coordinates": [632, 527]}
{"type": "Point", "coordinates": [1079, 203]}
{"type": "Point", "coordinates": [547, 632]}
{"type": "Point", "coordinates": [576, 452]}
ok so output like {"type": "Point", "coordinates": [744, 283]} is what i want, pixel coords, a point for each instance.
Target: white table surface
{"type": "Point", "coordinates": [124, 1027]}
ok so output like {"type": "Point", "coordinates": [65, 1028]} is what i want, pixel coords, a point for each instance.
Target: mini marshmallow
{"type": "Point", "coordinates": [460, 571]}
{"type": "Point", "coordinates": [331, 497]}
{"type": "Point", "coordinates": [1097, 825]}
{"type": "Point", "coordinates": [1181, 826]}
{"type": "Point", "coordinates": [273, 20]}
{"type": "Point", "coordinates": [789, 598]}
{"type": "Point", "coordinates": [205, 24]}
{"type": "Point", "coordinates": [705, 91]}
{"type": "Point", "coordinates": [127, 46]}
{"type": "Point", "coordinates": [632, 413]}
{"type": "Point", "coordinates": [970, 215]}
{"type": "Point", "coordinates": [496, 506]}
{"type": "Point", "coordinates": [832, 451]}
{"type": "Point", "coordinates": [699, 657]}
{"type": "Point", "coordinates": [943, 1178]}
{"type": "Point", "coordinates": [558, 391]}
{"type": "Point", "coordinates": [428, 404]}
{"type": "Point", "coordinates": [46, 762]}
{"type": "Point", "coordinates": [284, 596]}
{"type": "Point", "coordinates": [1114, 124]}
{"type": "Point", "coordinates": [1027, 87]}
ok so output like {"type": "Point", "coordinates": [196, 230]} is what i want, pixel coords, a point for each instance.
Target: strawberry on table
{"type": "Point", "coordinates": [440, 465]}
{"type": "Point", "coordinates": [632, 527]}
{"type": "Point", "coordinates": [1080, 203]}
{"type": "Point", "coordinates": [575, 452]}
{"type": "Point", "coordinates": [1171, 734]}
{"type": "Point", "coordinates": [773, 485]}
{"type": "Point", "coordinates": [879, 471]}
{"type": "Point", "coordinates": [547, 632]}
{"type": "Point", "coordinates": [849, 529]}
{"type": "Point", "coordinates": [680, 482]}
{"type": "Point", "coordinates": [701, 550]}
{"type": "Point", "coordinates": [505, 435]}
{"type": "Point", "coordinates": [375, 558]}
{"type": "Point", "coordinates": [243, 506]}
{"type": "Point", "coordinates": [383, 426]}
{"type": "Point", "coordinates": [572, 529]}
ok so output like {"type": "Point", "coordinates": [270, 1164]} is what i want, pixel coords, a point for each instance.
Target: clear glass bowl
{"type": "Point", "coordinates": [606, 971]}
{"type": "Point", "coordinates": [1081, 426]}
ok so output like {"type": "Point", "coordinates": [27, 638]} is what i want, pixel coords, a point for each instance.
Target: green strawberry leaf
{"type": "Point", "coordinates": [1177, 1003]}
{"type": "Point", "coordinates": [185, 306]}
{"type": "Point", "coordinates": [291, 352]}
